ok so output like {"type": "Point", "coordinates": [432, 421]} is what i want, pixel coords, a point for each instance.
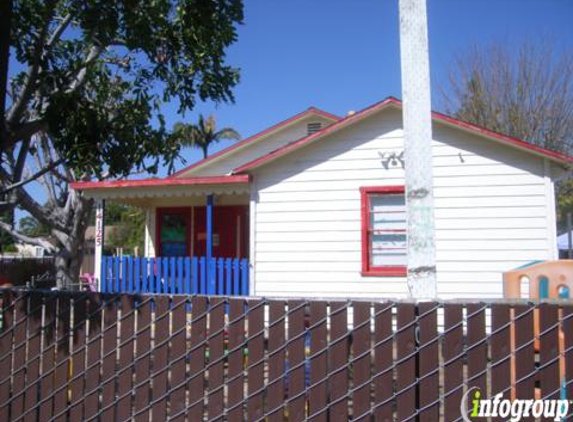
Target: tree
{"type": "Point", "coordinates": [203, 134]}
{"type": "Point", "coordinates": [29, 226]}
{"type": "Point", "coordinates": [525, 92]}
{"type": "Point", "coordinates": [6, 241]}
{"type": "Point", "coordinates": [129, 226]}
{"type": "Point", "coordinates": [87, 103]}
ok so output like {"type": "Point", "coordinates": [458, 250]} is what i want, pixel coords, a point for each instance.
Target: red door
{"type": "Point", "coordinates": [230, 231]}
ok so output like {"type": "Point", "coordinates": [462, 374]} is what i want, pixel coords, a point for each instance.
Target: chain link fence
{"type": "Point", "coordinates": [77, 356]}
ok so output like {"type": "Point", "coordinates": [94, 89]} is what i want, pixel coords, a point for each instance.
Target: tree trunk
{"type": "Point", "coordinates": [69, 257]}
{"type": "Point", "coordinates": [205, 150]}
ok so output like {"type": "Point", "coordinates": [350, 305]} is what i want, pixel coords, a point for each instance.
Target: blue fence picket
{"type": "Point", "coordinates": [102, 281]}
{"type": "Point", "coordinates": [236, 279]}
{"type": "Point", "coordinates": [203, 269]}
{"type": "Point", "coordinates": [136, 276]}
{"type": "Point", "coordinates": [175, 275]}
{"type": "Point", "coordinates": [195, 275]}
{"type": "Point", "coordinates": [228, 279]}
{"type": "Point", "coordinates": [244, 277]}
{"type": "Point", "coordinates": [130, 274]}
{"type": "Point", "coordinates": [220, 276]}
{"type": "Point", "coordinates": [187, 289]}
{"type": "Point", "coordinates": [151, 275]}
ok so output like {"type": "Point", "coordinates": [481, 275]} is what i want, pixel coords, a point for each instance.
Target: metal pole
{"type": "Point", "coordinates": [417, 120]}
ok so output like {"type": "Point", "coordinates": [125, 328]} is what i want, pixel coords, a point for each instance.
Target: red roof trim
{"type": "Point", "coordinates": [439, 117]}
{"type": "Point", "coordinates": [307, 139]}
{"type": "Point", "coordinates": [290, 120]}
{"type": "Point", "coordinates": [501, 137]}
{"type": "Point", "coordinates": [196, 181]}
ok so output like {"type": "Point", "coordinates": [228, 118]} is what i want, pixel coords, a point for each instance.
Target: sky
{"type": "Point", "coordinates": [342, 55]}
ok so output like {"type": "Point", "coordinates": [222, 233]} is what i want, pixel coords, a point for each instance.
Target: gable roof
{"type": "Point", "coordinates": [394, 102]}
{"type": "Point", "coordinates": [311, 111]}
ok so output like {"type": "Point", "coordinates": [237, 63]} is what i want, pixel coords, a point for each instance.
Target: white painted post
{"type": "Point", "coordinates": [417, 120]}
{"type": "Point", "coordinates": [99, 240]}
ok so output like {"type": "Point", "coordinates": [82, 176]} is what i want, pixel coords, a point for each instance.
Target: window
{"type": "Point", "coordinates": [383, 231]}
{"type": "Point", "coordinates": [173, 231]}
{"type": "Point", "coordinates": [313, 128]}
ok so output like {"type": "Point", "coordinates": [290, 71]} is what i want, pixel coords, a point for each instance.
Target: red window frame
{"type": "Point", "coordinates": [367, 269]}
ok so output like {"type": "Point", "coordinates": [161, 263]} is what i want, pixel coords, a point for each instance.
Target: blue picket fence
{"type": "Point", "coordinates": [189, 275]}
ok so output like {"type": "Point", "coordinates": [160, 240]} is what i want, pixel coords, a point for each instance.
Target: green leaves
{"type": "Point", "coordinates": [103, 71]}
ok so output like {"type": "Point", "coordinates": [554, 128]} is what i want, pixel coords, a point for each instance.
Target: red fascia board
{"type": "Point", "coordinates": [436, 116]}
{"type": "Point", "coordinates": [440, 117]}
{"type": "Point", "coordinates": [307, 139]}
{"type": "Point", "coordinates": [196, 181]}
{"type": "Point", "coordinates": [240, 144]}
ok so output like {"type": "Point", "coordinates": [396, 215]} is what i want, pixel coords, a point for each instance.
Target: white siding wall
{"type": "Point", "coordinates": [491, 213]}
{"type": "Point", "coordinates": [258, 148]}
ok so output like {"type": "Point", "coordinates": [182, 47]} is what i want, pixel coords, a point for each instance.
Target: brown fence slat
{"type": "Point", "coordinates": [78, 358]}
{"type": "Point", "coordinates": [196, 381]}
{"type": "Point", "coordinates": [361, 367]}
{"type": "Point", "coordinates": [406, 365]}
{"type": "Point", "coordinates": [549, 350]}
{"type": "Point", "coordinates": [160, 358]}
{"type": "Point", "coordinates": [108, 376]}
{"type": "Point", "coordinates": [62, 358]}
{"type": "Point", "coordinates": [19, 370]}
{"type": "Point", "coordinates": [296, 360]}
{"type": "Point", "coordinates": [92, 380]}
{"type": "Point", "coordinates": [6, 342]}
{"type": "Point", "coordinates": [216, 351]}
{"type": "Point", "coordinates": [453, 366]}
{"type": "Point", "coordinates": [428, 362]}
{"type": "Point", "coordinates": [34, 315]}
{"type": "Point", "coordinates": [318, 365]}
{"type": "Point", "coordinates": [477, 349]}
{"type": "Point", "coordinates": [276, 353]}
{"type": "Point", "coordinates": [142, 360]}
{"type": "Point", "coordinates": [255, 369]}
{"type": "Point", "coordinates": [523, 363]}
{"type": "Point", "coordinates": [337, 359]}
{"type": "Point", "coordinates": [178, 358]}
{"type": "Point", "coordinates": [126, 353]}
{"type": "Point", "coordinates": [48, 358]}
{"type": "Point", "coordinates": [383, 362]}
{"type": "Point", "coordinates": [500, 350]}
{"type": "Point", "coordinates": [236, 358]}
{"type": "Point", "coordinates": [567, 333]}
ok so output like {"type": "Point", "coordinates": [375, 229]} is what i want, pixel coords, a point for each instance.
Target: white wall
{"type": "Point", "coordinates": [491, 213]}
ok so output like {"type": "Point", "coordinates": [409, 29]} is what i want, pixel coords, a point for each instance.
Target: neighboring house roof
{"type": "Point", "coordinates": [311, 111]}
{"type": "Point", "coordinates": [90, 233]}
{"type": "Point", "coordinates": [393, 102]}
{"type": "Point", "coordinates": [192, 181]}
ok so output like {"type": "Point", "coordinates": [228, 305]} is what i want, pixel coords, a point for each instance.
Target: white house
{"type": "Point", "coordinates": [316, 204]}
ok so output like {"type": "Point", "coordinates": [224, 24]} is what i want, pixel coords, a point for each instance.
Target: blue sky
{"type": "Point", "coordinates": [343, 55]}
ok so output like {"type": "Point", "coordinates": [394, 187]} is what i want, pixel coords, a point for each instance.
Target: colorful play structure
{"type": "Point", "coordinates": [540, 280]}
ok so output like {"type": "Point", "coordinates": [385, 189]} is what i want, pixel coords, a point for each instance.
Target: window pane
{"type": "Point", "coordinates": [173, 235]}
{"type": "Point", "coordinates": [387, 230]}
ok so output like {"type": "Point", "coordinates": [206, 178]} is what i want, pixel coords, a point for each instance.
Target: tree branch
{"type": "Point", "coordinates": [29, 179]}
{"type": "Point", "coordinates": [38, 241]}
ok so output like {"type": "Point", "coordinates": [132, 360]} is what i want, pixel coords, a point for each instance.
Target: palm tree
{"type": "Point", "coordinates": [203, 134]}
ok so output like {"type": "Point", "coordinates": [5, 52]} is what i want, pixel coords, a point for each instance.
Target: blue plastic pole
{"type": "Point", "coordinates": [209, 246]}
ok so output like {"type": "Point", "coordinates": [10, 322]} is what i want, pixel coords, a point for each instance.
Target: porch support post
{"type": "Point", "coordinates": [99, 240]}
{"type": "Point", "coordinates": [209, 240]}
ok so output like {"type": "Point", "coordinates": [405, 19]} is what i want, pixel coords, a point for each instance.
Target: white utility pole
{"type": "Point", "coordinates": [417, 118]}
